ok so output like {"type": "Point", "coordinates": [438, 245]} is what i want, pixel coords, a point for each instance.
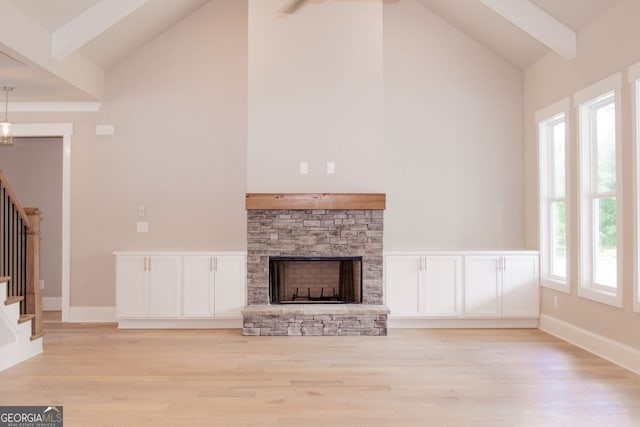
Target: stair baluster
{"type": "Point", "coordinates": [19, 253]}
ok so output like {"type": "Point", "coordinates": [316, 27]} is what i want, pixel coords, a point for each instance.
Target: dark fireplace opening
{"type": "Point", "coordinates": [315, 280]}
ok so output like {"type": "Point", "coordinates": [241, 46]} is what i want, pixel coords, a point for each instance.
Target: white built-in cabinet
{"type": "Point", "coordinates": [521, 286]}
{"type": "Point", "coordinates": [180, 286]}
{"type": "Point", "coordinates": [427, 286]}
{"type": "Point", "coordinates": [211, 286]}
{"type": "Point", "coordinates": [482, 286]}
{"type": "Point", "coordinates": [148, 286]}
{"type": "Point", "coordinates": [468, 285]}
{"type": "Point", "coordinates": [502, 286]}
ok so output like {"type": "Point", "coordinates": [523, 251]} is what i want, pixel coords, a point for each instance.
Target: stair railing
{"type": "Point", "coordinates": [20, 254]}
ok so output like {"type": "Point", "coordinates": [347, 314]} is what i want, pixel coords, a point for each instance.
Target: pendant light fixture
{"type": "Point", "coordinates": [6, 127]}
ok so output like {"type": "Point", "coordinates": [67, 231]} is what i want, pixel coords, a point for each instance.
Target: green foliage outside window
{"type": "Point", "coordinates": [608, 238]}
{"type": "Point", "coordinates": [560, 228]}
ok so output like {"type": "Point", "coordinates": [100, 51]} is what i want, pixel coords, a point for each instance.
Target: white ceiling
{"type": "Point", "coordinates": [27, 28]}
{"type": "Point", "coordinates": [34, 81]}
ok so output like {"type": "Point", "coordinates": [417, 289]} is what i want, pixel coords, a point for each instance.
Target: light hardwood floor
{"type": "Point", "coordinates": [482, 378]}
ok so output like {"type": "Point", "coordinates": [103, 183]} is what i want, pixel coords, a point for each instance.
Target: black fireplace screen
{"type": "Point", "coordinates": [306, 280]}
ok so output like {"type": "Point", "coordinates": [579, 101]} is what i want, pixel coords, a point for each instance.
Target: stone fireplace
{"type": "Point", "coordinates": [328, 227]}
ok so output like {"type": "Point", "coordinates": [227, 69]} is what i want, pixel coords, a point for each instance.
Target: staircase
{"type": "Point", "coordinates": [20, 297]}
{"type": "Point", "coordinates": [16, 341]}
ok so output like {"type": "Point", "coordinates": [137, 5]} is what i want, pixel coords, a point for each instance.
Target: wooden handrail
{"type": "Point", "coordinates": [34, 294]}
{"type": "Point", "coordinates": [20, 255]}
{"type": "Point", "coordinates": [4, 183]}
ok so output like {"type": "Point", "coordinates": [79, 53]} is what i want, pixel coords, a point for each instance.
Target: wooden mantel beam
{"type": "Point", "coordinates": [300, 201]}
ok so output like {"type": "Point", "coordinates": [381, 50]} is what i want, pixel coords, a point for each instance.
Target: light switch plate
{"type": "Point", "coordinates": [102, 130]}
{"type": "Point", "coordinates": [331, 168]}
{"type": "Point", "coordinates": [143, 227]}
{"type": "Point", "coordinates": [304, 168]}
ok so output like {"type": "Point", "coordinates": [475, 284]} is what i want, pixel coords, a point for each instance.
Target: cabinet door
{"type": "Point", "coordinates": [520, 286]}
{"type": "Point", "coordinates": [482, 286]}
{"type": "Point", "coordinates": [197, 287]}
{"type": "Point", "coordinates": [229, 285]}
{"type": "Point", "coordinates": [403, 285]}
{"type": "Point", "coordinates": [443, 286]}
{"type": "Point", "coordinates": [131, 293]}
{"type": "Point", "coordinates": [163, 276]}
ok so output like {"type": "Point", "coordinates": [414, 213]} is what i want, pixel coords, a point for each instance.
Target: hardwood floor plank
{"type": "Point", "coordinates": [109, 377]}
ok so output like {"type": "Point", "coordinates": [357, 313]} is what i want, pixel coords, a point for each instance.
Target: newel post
{"type": "Point", "coordinates": [34, 296]}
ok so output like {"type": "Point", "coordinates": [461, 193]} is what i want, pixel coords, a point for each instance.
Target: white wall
{"type": "Point", "coordinates": [448, 151]}
{"type": "Point", "coordinates": [315, 94]}
{"type": "Point", "coordinates": [179, 109]}
{"type": "Point", "coordinates": [233, 97]}
{"type": "Point", "coordinates": [33, 167]}
{"type": "Point", "coordinates": [453, 138]}
{"type": "Point", "coordinates": [607, 46]}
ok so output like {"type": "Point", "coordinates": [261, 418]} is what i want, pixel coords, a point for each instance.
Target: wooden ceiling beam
{"type": "Point", "coordinates": [538, 24]}
{"type": "Point", "coordinates": [90, 24]}
{"type": "Point", "coordinates": [29, 43]}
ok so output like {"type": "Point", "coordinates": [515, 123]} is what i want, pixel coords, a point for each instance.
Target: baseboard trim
{"type": "Point", "coordinates": [9, 355]}
{"type": "Point", "coordinates": [51, 303]}
{"type": "Point", "coordinates": [180, 323]}
{"type": "Point", "coordinates": [611, 350]}
{"type": "Point", "coordinates": [92, 314]}
{"type": "Point", "coordinates": [462, 323]}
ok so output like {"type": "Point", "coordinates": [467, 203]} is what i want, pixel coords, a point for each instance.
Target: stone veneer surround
{"type": "Point", "coordinates": [314, 233]}
{"type": "Point", "coordinates": [317, 232]}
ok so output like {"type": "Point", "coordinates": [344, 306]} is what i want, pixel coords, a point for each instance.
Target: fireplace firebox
{"type": "Point", "coordinates": [315, 280]}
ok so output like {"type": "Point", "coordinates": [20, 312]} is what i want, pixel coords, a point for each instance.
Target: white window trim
{"type": "Point", "coordinates": [581, 99]}
{"type": "Point", "coordinates": [634, 80]}
{"type": "Point", "coordinates": [543, 117]}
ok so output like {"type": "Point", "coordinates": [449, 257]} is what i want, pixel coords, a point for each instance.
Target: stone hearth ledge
{"type": "Point", "coordinates": [315, 319]}
{"type": "Point", "coordinates": [314, 309]}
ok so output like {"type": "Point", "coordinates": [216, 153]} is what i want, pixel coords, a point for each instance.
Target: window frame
{"type": "Point", "coordinates": [546, 119]}
{"type": "Point", "coordinates": [587, 101]}
{"type": "Point", "coordinates": [634, 80]}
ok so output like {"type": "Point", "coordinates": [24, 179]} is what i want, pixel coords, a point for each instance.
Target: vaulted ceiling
{"type": "Point", "coordinates": [59, 50]}
{"type": "Point", "coordinates": [506, 39]}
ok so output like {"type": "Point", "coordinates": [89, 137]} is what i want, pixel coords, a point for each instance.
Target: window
{"type": "Point", "coordinates": [634, 79]}
{"type": "Point", "coordinates": [600, 182]}
{"type": "Point", "coordinates": [553, 155]}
